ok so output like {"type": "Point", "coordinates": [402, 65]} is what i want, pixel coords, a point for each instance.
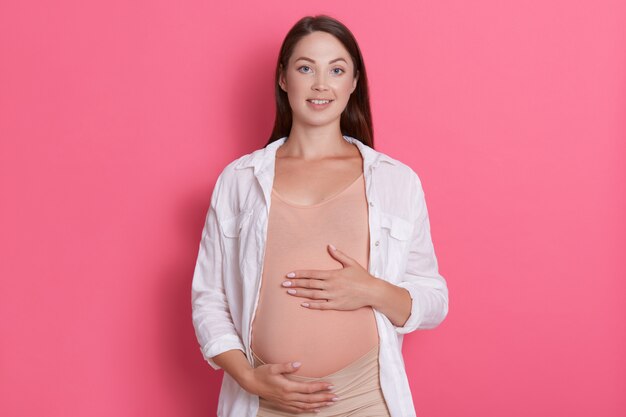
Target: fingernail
{"type": "Point", "coordinates": [304, 304]}
{"type": "Point", "coordinates": [286, 283]}
{"type": "Point", "coordinates": [330, 387]}
{"type": "Point", "coordinates": [291, 274]}
{"type": "Point", "coordinates": [296, 364]}
{"type": "Point", "coordinates": [335, 399]}
{"type": "Point", "coordinates": [332, 247]}
{"type": "Point", "coordinates": [291, 291]}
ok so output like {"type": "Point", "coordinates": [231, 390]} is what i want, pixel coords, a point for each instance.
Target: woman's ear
{"type": "Point", "coordinates": [282, 82]}
{"type": "Point", "coordinates": [354, 82]}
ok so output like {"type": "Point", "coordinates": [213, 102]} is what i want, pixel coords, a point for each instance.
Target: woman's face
{"type": "Point", "coordinates": [320, 68]}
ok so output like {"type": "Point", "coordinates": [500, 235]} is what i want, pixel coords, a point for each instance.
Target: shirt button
{"type": "Point", "coordinates": [371, 204]}
{"type": "Point", "coordinates": [377, 243]}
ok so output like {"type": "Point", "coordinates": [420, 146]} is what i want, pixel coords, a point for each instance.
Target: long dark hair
{"type": "Point", "coordinates": [356, 119]}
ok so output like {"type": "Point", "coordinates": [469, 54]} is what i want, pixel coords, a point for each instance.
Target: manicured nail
{"type": "Point", "coordinates": [286, 283]}
{"type": "Point", "coordinates": [291, 291]}
{"type": "Point", "coordinates": [330, 387]}
{"type": "Point", "coordinates": [304, 304]}
{"type": "Point", "coordinates": [332, 247]}
{"type": "Point", "coordinates": [296, 364]}
{"type": "Point", "coordinates": [291, 274]}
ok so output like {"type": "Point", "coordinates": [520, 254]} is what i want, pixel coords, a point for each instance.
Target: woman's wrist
{"type": "Point", "coordinates": [391, 300]}
{"type": "Point", "coordinates": [247, 381]}
{"type": "Point", "coordinates": [235, 364]}
{"type": "Point", "coordinates": [376, 288]}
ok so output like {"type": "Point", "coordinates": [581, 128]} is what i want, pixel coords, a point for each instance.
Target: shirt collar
{"type": "Point", "coordinates": [264, 158]}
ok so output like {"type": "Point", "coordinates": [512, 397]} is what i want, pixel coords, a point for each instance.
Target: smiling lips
{"type": "Point", "coordinates": [319, 102]}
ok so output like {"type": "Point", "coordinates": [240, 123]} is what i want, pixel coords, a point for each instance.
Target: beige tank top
{"type": "Point", "coordinates": [324, 341]}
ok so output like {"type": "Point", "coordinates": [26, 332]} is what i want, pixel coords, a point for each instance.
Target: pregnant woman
{"type": "Point", "coordinates": [316, 256]}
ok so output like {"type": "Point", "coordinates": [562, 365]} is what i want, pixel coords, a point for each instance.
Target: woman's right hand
{"type": "Point", "coordinates": [268, 381]}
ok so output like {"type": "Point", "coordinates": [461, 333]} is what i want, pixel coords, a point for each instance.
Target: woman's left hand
{"type": "Point", "coordinates": [348, 288]}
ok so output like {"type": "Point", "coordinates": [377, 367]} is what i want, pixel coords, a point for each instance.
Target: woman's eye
{"type": "Point", "coordinates": [338, 69]}
{"type": "Point", "coordinates": [302, 67]}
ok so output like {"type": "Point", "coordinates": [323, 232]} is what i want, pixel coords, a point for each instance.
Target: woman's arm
{"type": "Point", "coordinates": [268, 381]}
{"type": "Point", "coordinates": [391, 300]}
{"type": "Point", "coordinates": [235, 363]}
{"type": "Point", "coordinates": [219, 340]}
{"type": "Point", "coordinates": [419, 299]}
{"type": "Point", "coordinates": [212, 321]}
{"type": "Point", "coordinates": [422, 291]}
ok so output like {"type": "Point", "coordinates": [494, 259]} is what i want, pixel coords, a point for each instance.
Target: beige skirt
{"type": "Point", "coordinates": [357, 385]}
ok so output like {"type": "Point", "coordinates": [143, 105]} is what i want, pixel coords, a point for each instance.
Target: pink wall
{"type": "Point", "coordinates": [116, 117]}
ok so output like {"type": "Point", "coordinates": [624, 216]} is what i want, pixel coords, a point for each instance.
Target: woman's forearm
{"type": "Point", "coordinates": [392, 301]}
{"type": "Point", "coordinates": [235, 363]}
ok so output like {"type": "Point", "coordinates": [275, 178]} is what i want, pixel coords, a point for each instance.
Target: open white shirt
{"type": "Point", "coordinates": [227, 276]}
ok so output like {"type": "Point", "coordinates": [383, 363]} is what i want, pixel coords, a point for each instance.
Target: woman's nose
{"type": "Point", "coordinates": [320, 87]}
{"type": "Point", "coordinates": [320, 83]}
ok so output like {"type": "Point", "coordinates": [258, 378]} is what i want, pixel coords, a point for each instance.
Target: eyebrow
{"type": "Point", "coordinates": [313, 61]}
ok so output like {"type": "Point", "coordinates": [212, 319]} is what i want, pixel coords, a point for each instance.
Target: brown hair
{"type": "Point", "coordinates": [356, 119]}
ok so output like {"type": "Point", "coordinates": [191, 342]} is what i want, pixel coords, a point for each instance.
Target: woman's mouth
{"type": "Point", "coordinates": [319, 104]}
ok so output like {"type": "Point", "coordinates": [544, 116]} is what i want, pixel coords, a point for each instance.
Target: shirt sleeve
{"type": "Point", "coordinates": [427, 288]}
{"type": "Point", "coordinates": [211, 316]}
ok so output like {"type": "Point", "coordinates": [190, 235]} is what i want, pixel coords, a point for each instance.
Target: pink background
{"type": "Point", "coordinates": [116, 118]}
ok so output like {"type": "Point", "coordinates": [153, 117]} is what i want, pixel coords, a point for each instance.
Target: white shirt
{"type": "Point", "coordinates": [229, 266]}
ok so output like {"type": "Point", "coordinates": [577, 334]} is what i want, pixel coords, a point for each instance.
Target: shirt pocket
{"type": "Point", "coordinates": [396, 238]}
{"type": "Point", "coordinates": [232, 227]}
{"type": "Point", "coordinates": [237, 238]}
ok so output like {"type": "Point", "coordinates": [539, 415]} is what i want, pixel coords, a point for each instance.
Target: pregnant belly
{"type": "Point", "coordinates": [324, 341]}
